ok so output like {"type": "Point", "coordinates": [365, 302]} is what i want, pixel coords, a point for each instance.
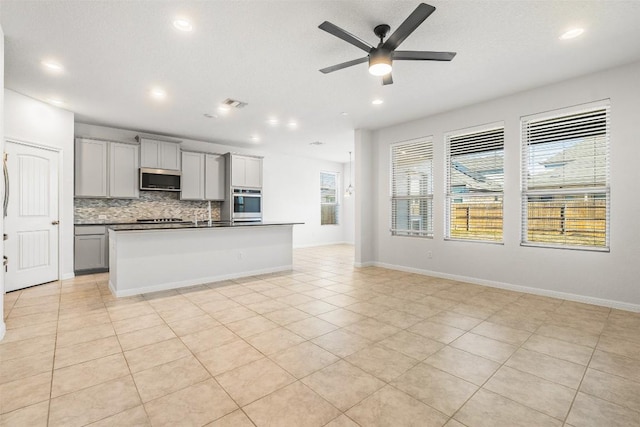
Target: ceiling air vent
{"type": "Point", "coordinates": [233, 103]}
{"type": "Point", "coordinates": [316, 143]}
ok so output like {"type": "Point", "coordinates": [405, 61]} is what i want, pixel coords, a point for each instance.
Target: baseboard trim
{"type": "Point", "coordinates": [315, 245]}
{"type": "Point", "coordinates": [3, 330]}
{"type": "Point", "coordinates": [517, 288]}
{"type": "Point", "coordinates": [367, 264]}
{"type": "Point", "coordinates": [193, 282]}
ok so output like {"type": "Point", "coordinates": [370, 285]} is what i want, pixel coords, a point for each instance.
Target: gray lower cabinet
{"type": "Point", "coordinates": [91, 249]}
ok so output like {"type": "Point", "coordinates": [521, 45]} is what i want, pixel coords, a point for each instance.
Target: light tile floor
{"type": "Point", "coordinates": [324, 344]}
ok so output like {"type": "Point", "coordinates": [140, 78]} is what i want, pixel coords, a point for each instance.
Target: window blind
{"type": "Point", "coordinates": [474, 184]}
{"type": "Point", "coordinates": [565, 179]}
{"type": "Point", "coordinates": [412, 188]}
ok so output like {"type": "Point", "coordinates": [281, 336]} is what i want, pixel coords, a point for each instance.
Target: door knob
{"type": "Point", "coordinates": [55, 222]}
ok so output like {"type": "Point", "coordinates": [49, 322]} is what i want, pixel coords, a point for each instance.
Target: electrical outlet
{"type": "Point", "coordinates": [102, 217]}
{"type": "Point", "coordinates": [429, 254]}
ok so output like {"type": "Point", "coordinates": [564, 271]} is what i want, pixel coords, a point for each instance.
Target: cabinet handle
{"type": "Point", "coordinates": [55, 222]}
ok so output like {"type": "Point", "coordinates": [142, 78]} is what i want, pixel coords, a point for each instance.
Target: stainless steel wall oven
{"type": "Point", "coordinates": [247, 204]}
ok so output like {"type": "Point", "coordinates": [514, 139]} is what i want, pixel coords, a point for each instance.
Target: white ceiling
{"type": "Point", "coordinates": [268, 53]}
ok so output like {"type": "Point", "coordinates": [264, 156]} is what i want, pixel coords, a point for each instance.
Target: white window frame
{"type": "Point", "coordinates": [450, 195]}
{"type": "Point", "coordinates": [336, 204]}
{"type": "Point", "coordinates": [573, 192]}
{"type": "Point", "coordinates": [424, 196]}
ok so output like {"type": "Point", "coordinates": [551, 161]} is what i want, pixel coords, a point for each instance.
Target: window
{"type": "Point", "coordinates": [328, 198]}
{"type": "Point", "coordinates": [412, 188]}
{"type": "Point", "coordinates": [565, 179]}
{"type": "Point", "coordinates": [475, 181]}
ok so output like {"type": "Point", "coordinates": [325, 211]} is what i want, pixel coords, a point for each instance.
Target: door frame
{"type": "Point", "coordinates": [58, 151]}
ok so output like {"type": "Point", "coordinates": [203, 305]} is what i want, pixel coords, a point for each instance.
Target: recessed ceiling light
{"type": "Point", "coordinates": [572, 33]}
{"type": "Point", "coordinates": [158, 93]}
{"type": "Point", "coordinates": [210, 116]}
{"type": "Point", "coordinates": [344, 113]}
{"type": "Point", "coordinates": [292, 124]}
{"type": "Point", "coordinates": [272, 121]}
{"type": "Point", "coordinates": [55, 101]}
{"type": "Point", "coordinates": [255, 138]}
{"type": "Point", "coordinates": [377, 101]}
{"type": "Point", "coordinates": [54, 66]}
{"type": "Point", "coordinates": [224, 108]}
{"type": "Point", "coordinates": [182, 24]}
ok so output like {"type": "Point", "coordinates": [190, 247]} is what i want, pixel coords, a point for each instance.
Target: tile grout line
{"type": "Point", "coordinates": [377, 342]}
{"type": "Point", "coordinates": [126, 361]}
{"type": "Point", "coordinates": [504, 364]}
{"type": "Point", "coordinates": [586, 369]}
{"type": "Point", "coordinates": [53, 362]}
{"type": "Point", "coordinates": [192, 354]}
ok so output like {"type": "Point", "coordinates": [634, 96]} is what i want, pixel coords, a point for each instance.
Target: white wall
{"type": "Point", "coordinates": [366, 198]}
{"type": "Point", "coordinates": [604, 278]}
{"type": "Point", "coordinates": [291, 185]}
{"type": "Point", "coordinates": [348, 205]}
{"type": "Point", "coordinates": [2, 324]}
{"type": "Point", "coordinates": [26, 119]}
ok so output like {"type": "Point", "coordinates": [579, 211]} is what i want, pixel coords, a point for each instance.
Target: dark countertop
{"type": "Point", "coordinates": [102, 222]}
{"type": "Point", "coordinates": [201, 225]}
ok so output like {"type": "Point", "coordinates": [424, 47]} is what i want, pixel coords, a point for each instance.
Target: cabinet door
{"type": "Point", "coordinates": [123, 171]}
{"type": "Point", "coordinates": [238, 167]}
{"type": "Point", "coordinates": [150, 153]}
{"type": "Point", "coordinates": [91, 168]}
{"type": "Point", "coordinates": [253, 172]}
{"type": "Point", "coordinates": [192, 180]}
{"type": "Point", "coordinates": [90, 252]}
{"type": "Point", "coordinates": [214, 172]}
{"type": "Point", "coordinates": [170, 156]}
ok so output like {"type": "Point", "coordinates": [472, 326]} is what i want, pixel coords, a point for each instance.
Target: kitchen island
{"type": "Point", "coordinates": [155, 257]}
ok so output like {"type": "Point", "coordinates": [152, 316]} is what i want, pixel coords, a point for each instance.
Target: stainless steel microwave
{"type": "Point", "coordinates": [159, 179]}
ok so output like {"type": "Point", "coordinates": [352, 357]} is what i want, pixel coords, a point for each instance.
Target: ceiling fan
{"type": "Point", "coordinates": [381, 57]}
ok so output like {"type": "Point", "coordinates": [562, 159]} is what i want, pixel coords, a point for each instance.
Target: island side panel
{"type": "Point", "coordinates": [144, 261]}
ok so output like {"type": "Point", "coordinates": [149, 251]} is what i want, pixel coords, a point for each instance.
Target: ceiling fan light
{"type": "Point", "coordinates": [380, 63]}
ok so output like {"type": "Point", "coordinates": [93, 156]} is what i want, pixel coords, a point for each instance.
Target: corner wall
{"type": "Point", "coordinates": [595, 277]}
{"type": "Point", "coordinates": [366, 198]}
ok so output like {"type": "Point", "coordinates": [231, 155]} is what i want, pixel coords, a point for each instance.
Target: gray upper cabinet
{"type": "Point", "coordinates": [159, 154]}
{"type": "Point", "coordinates": [193, 176]}
{"type": "Point", "coordinates": [149, 153]}
{"type": "Point", "coordinates": [123, 170]}
{"type": "Point", "coordinates": [214, 177]}
{"type": "Point", "coordinates": [246, 171]}
{"type": "Point", "coordinates": [203, 176]}
{"type": "Point", "coordinates": [106, 169]}
{"type": "Point", "coordinates": [91, 168]}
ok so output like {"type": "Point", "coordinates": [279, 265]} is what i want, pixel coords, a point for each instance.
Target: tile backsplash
{"type": "Point", "coordinates": [151, 204]}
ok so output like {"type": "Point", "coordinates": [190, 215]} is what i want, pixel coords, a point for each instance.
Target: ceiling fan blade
{"type": "Point", "coordinates": [342, 34]}
{"type": "Point", "coordinates": [409, 25]}
{"type": "Point", "coordinates": [344, 65]}
{"type": "Point", "coordinates": [387, 79]}
{"type": "Point", "coordinates": [413, 55]}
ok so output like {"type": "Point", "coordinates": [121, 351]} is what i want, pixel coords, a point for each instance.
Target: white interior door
{"type": "Point", "coordinates": [31, 221]}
